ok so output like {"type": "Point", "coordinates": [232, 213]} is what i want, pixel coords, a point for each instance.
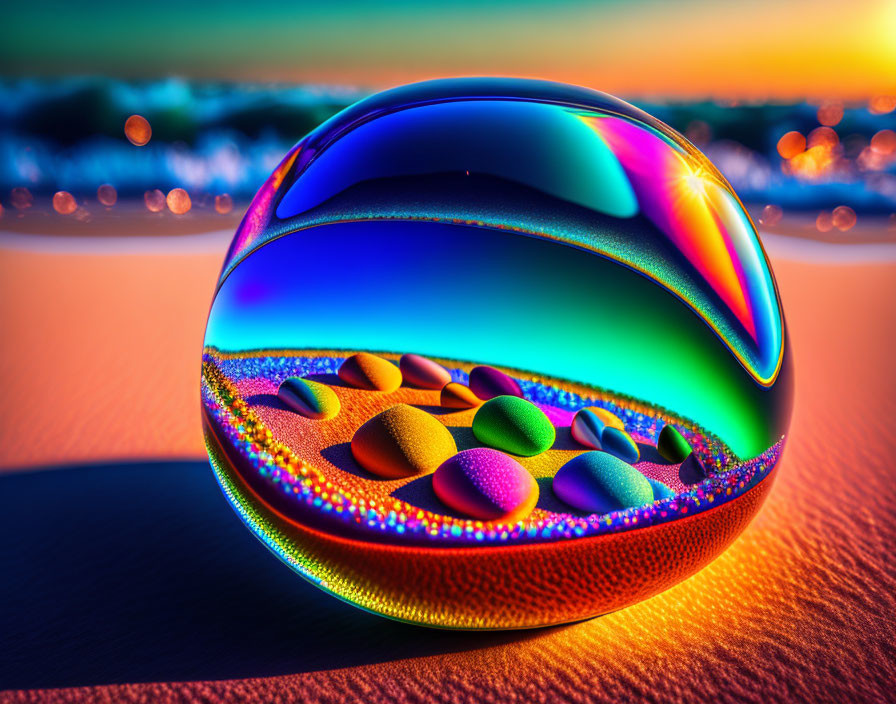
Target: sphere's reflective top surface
{"type": "Point", "coordinates": [542, 227]}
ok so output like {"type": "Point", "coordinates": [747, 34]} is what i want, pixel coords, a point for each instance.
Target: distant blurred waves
{"type": "Point", "coordinates": [67, 134]}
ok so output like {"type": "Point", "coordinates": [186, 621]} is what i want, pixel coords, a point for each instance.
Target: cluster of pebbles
{"type": "Point", "coordinates": [487, 483]}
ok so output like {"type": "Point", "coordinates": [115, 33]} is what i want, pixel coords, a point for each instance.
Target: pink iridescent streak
{"type": "Point", "coordinates": [682, 203]}
{"type": "Point", "coordinates": [259, 213]}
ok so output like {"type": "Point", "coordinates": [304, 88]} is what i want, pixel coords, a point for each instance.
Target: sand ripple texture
{"type": "Point", "coordinates": [800, 608]}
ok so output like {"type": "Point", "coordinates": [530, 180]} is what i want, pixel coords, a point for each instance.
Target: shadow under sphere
{"type": "Point", "coordinates": [139, 572]}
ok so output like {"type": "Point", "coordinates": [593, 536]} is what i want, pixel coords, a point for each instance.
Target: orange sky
{"type": "Point", "coordinates": [760, 48]}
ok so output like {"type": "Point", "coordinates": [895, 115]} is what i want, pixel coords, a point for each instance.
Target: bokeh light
{"type": "Point", "coordinates": [698, 132]}
{"type": "Point", "coordinates": [882, 104]}
{"type": "Point", "coordinates": [811, 164]}
{"type": "Point", "coordinates": [223, 203]}
{"type": "Point", "coordinates": [823, 137]}
{"type": "Point", "coordinates": [884, 142]}
{"type": "Point", "coordinates": [872, 160]}
{"type": "Point", "coordinates": [21, 198]}
{"type": "Point", "coordinates": [824, 222]}
{"type": "Point", "coordinates": [154, 200]}
{"type": "Point", "coordinates": [830, 113]}
{"type": "Point", "coordinates": [791, 144]}
{"type": "Point", "coordinates": [771, 215]}
{"type": "Point", "coordinates": [138, 130]}
{"type": "Point", "coordinates": [179, 201]}
{"type": "Point", "coordinates": [843, 217]}
{"type": "Point", "coordinates": [107, 195]}
{"type": "Point", "coordinates": [64, 203]}
{"type": "Point", "coordinates": [853, 144]}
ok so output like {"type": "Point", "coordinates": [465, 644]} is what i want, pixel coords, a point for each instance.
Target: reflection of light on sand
{"type": "Point", "coordinates": [805, 250]}
{"type": "Point", "coordinates": [777, 245]}
{"type": "Point", "coordinates": [206, 242]}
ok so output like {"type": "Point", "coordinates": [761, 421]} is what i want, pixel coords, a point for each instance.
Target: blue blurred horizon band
{"type": "Point", "coordinates": [214, 137]}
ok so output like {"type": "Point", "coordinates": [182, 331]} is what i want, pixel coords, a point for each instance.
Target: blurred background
{"type": "Point", "coordinates": [132, 137]}
{"type": "Point", "coordinates": [145, 112]}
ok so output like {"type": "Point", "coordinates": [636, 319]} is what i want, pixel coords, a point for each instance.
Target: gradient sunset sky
{"type": "Point", "coordinates": [691, 48]}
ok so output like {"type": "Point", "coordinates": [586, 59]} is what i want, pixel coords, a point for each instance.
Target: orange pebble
{"type": "Point", "coordinates": [402, 441]}
{"type": "Point", "coordinates": [456, 395]}
{"type": "Point", "coordinates": [367, 371]}
{"type": "Point", "coordinates": [611, 420]}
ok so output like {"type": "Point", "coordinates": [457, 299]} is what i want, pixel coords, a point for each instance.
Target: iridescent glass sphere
{"type": "Point", "coordinates": [555, 234]}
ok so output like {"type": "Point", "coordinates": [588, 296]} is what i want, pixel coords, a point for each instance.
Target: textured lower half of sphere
{"type": "Point", "coordinates": [389, 546]}
{"type": "Point", "coordinates": [495, 587]}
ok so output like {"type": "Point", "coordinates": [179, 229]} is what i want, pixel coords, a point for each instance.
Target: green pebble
{"type": "Point", "coordinates": [671, 444]}
{"type": "Point", "coordinates": [514, 425]}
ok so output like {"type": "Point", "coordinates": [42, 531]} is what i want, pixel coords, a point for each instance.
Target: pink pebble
{"type": "Point", "coordinates": [487, 485]}
{"type": "Point", "coordinates": [422, 372]}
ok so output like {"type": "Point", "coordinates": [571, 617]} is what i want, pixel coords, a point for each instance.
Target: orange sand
{"type": "Point", "coordinates": [100, 359]}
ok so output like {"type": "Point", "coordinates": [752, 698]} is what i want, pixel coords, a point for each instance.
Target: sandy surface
{"type": "Point", "coordinates": [326, 445]}
{"type": "Point", "coordinates": [100, 360]}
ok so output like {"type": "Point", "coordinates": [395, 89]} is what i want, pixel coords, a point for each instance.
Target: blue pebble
{"type": "Point", "coordinates": [620, 444]}
{"type": "Point", "coordinates": [599, 482]}
{"type": "Point", "coordinates": [660, 490]}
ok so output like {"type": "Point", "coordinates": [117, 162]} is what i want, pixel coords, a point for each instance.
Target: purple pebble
{"type": "Point", "coordinates": [488, 382]}
{"type": "Point", "coordinates": [485, 484]}
{"type": "Point", "coordinates": [692, 470]}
